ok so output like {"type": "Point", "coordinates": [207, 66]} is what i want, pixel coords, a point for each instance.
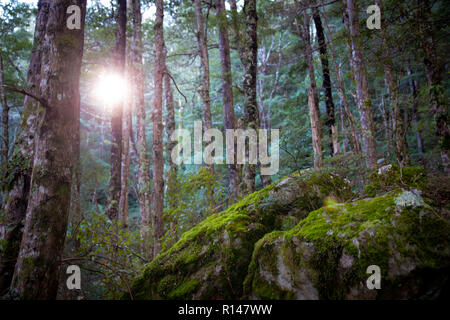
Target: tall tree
{"type": "Point", "coordinates": [5, 118]}
{"type": "Point", "coordinates": [20, 160]}
{"type": "Point", "coordinates": [144, 183]}
{"type": "Point", "coordinates": [326, 83]}
{"type": "Point", "coordinates": [401, 145]}
{"type": "Point", "coordinates": [204, 62]}
{"type": "Point", "coordinates": [172, 185]}
{"type": "Point", "coordinates": [363, 101]}
{"type": "Point", "coordinates": [158, 160]}
{"type": "Point", "coordinates": [434, 69]}
{"type": "Point", "coordinates": [115, 184]}
{"type": "Point", "coordinates": [126, 128]}
{"type": "Point", "coordinates": [227, 91]}
{"type": "Point", "coordinates": [37, 269]}
{"type": "Point", "coordinates": [126, 133]}
{"type": "Point", "coordinates": [342, 97]}
{"type": "Point", "coordinates": [248, 52]}
{"type": "Point", "coordinates": [415, 114]}
{"type": "Point", "coordinates": [202, 46]}
{"type": "Point", "coordinates": [313, 99]}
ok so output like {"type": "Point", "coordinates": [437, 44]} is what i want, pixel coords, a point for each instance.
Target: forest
{"type": "Point", "coordinates": [224, 149]}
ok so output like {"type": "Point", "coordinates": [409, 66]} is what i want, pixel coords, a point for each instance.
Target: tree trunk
{"type": "Point", "coordinates": [5, 119]}
{"type": "Point", "coordinates": [415, 115]}
{"type": "Point", "coordinates": [313, 100]}
{"type": "Point", "coordinates": [172, 185]}
{"type": "Point", "coordinates": [248, 51]}
{"type": "Point", "coordinates": [17, 192]}
{"type": "Point", "coordinates": [123, 204]}
{"type": "Point", "coordinates": [326, 84]}
{"type": "Point", "coordinates": [205, 80]}
{"type": "Point", "coordinates": [363, 101]}
{"type": "Point", "coordinates": [115, 183]}
{"type": "Point", "coordinates": [37, 269]}
{"type": "Point", "coordinates": [204, 61]}
{"type": "Point", "coordinates": [75, 200]}
{"type": "Point", "coordinates": [342, 97]}
{"type": "Point", "coordinates": [401, 145]}
{"type": "Point", "coordinates": [4, 143]}
{"type": "Point", "coordinates": [387, 128]}
{"type": "Point", "coordinates": [144, 183]}
{"type": "Point", "coordinates": [438, 106]}
{"type": "Point", "coordinates": [227, 91]}
{"type": "Point", "coordinates": [158, 160]}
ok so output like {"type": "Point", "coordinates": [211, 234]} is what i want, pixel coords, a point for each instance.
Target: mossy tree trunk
{"type": "Point", "coordinates": [363, 101]}
{"type": "Point", "coordinates": [126, 137]}
{"type": "Point", "coordinates": [5, 118]}
{"type": "Point", "coordinates": [158, 160]}
{"type": "Point", "coordinates": [20, 159]}
{"type": "Point", "coordinates": [37, 270]}
{"type": "Point", "coordinates": [172, 184]}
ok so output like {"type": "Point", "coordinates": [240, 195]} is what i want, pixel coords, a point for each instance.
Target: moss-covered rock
{"type": "Point", "coordinates": [211, 260]}
{"type": "Point", "coordinates": [327, 254]}
{"type": "Point", "coordinates": [391, 177]}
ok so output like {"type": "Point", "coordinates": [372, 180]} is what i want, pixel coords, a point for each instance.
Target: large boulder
{"type": "Point", "coordinates": [211, 260]}
{"type": "Point", "coordinates": [391, 177]}
{"type": "Point", "coordinates": [327, 254]}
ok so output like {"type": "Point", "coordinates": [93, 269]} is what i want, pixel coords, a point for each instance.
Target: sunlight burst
{"type": "Point", "coordinates": [111, 88]}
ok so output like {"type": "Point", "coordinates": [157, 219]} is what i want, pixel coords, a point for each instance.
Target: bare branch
{"type": "Point", "coordinates": [25, 92]}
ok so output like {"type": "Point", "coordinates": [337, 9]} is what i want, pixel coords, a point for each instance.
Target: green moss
{"type": "Point", "coordinates": [220, 247]}
{"type": "Point", "coordinates": [182, 291]}
{"type": "Point", "coordinates": [369, 231]}
{"type": "Point", "coordinates": [268, 290]}
{"type": "Point", "coordinates": [392, 177]}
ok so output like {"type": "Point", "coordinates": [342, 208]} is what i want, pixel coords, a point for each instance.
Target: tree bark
{"type": "Point", "coordinates": [435, 69]}
{"type": "Point", "coordinates": [227, 91]}
{"type": "Point", "coordinates": [401, 145]}
{"type": "Point", "coordinates": [37, 269]}
{"type": "Point", "coordinates": [313, 100]}
{"type": "Point", "coordinates": [144, 183]}
{"type": "Point", "coordinates": [363, 101]}
{"type": "Point", "coordinates": [326, 84]}
{"type": "Point", "coordinates": [354, 143]}
{"type": "Point", "coordinates": [126, 132]}
{"type": "Point", "coordinates": [5, 119]}
{"type": "Point", "coordinates": [248, 52]}
{"type": "Point", "coordinates": [18, 187]}
{"type": "Point", "coordinates": [202, 45]}
{"type": "Point", "coordinates": [416, 115]}
{"type": "Point", "coordinates": [158, 160]}
{"type": "Point", "coordinates": [387, 128]}
{"type": "Point", "coordinates": [172, 185]}
{"type": "Point", "coordinates": [75, 200]}
{"type": "Point", "coordinates": [204, 61]}
{"type": "Point", "coordinates": [115, 183]}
